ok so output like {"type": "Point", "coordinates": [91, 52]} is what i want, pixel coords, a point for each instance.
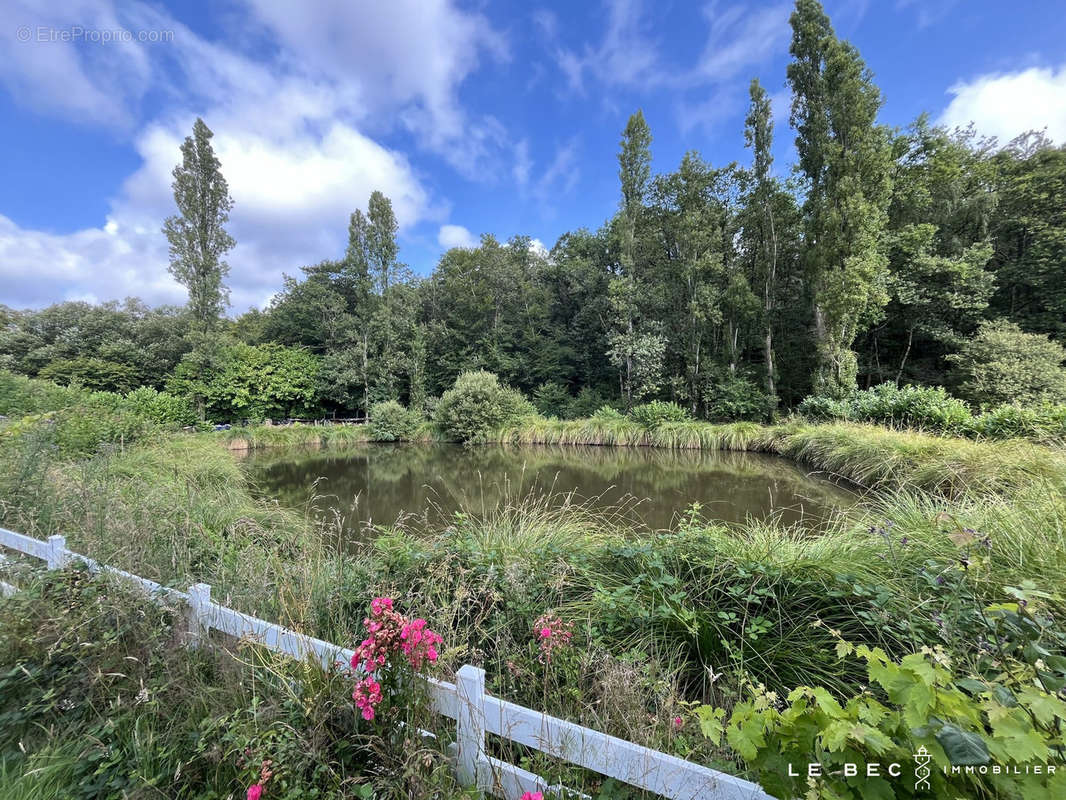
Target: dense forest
{"type": "Point", "coordinates": [883, 255]}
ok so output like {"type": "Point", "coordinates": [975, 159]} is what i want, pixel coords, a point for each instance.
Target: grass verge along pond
{"type": "Point", "coordinates": [382, 483]}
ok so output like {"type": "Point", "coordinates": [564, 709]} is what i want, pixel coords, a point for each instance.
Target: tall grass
{"type": "Point", "coordinates": [256, 437]}
{"type": "Point", "coordinates": [260, 436]}
{"type": "Point", "coordinates": [178, 511]}
{"type": "Point", "coordinates": [661, 618]}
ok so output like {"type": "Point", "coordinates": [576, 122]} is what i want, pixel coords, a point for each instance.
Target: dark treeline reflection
{"type": "Point", "coordinates": [427, 483]}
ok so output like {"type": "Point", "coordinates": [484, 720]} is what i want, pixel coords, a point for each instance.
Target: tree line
{"type": "Point", "coordinates": [881, 255]}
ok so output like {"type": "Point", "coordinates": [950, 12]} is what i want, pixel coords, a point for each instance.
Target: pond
{"type": "Point", "coordinates": [424, 484]}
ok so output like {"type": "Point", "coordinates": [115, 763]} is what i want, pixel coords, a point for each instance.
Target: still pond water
{"type": "Point", "coordinates": [425, 484]}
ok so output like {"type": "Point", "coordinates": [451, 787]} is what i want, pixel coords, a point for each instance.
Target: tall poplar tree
{"type": "Point", "coordinates": [637, 354]}
{"type": "Point", "coordinates": [759, 136]}
{"type": "Point", "coordinates": [846, 158]}
{"type": "Point", "coordinates": [197, 234]}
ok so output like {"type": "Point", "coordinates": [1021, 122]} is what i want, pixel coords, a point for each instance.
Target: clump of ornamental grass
{"type": "Point", "coordinates": [538, 523]}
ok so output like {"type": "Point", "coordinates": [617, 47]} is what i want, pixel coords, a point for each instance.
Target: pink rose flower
{"type": "Point", "coordinates": [255, 791]}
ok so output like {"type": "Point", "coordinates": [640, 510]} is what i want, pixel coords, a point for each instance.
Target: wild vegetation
{"type": "Point", "coordinates": [917, 257]}
{"type": "Point", "coordinates": [891, 314]}
{"type": "Point", "coordinates": [944, 578]}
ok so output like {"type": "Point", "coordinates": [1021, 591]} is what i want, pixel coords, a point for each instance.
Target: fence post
{"type": "Point", "coordinates": [199, 604]}
{"type": "Point", "coordinates": [470, 736]}
{"type": "Point", "coordinates": [57, 552]}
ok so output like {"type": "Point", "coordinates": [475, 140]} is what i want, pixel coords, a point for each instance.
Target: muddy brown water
{"type": "Point", "coordinates": [425, 484]}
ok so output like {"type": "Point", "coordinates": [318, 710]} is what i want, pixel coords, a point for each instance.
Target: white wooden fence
{"type": "Point", "coordinates": [476, 713]}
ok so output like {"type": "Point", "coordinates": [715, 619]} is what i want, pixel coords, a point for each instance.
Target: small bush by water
{"type": "Point", "coordinates": [391, 422]}
{"type": "Point", "coordinates": [478, 405]}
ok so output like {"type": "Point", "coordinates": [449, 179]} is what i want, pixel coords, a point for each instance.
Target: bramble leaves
{"type": "Point", "coordinates": [914, 702]}
{"type": "Point", "coordinates": [962, 747]}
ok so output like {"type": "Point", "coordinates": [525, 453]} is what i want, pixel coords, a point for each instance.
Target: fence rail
{"type": "Point", "coordinates": [476, 713]}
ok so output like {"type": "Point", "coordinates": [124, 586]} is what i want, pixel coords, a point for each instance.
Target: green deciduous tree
{"type": "Point", "coordinates": [239, 381]}
{"type": "Point", "coordinates": [197, 236]}
{"type": "Point", "coordinates": [1003, 364]}
{"type": "Point", "coordinates": [762, 225]}
{"type": "Point", "coordinates": [845, 156]}
{"type": "Point", "coordinates": [637, 354]}
{"type": "Point", "coordinates": [1030, 235]}
{"type": "Point", "coordinates": [938, 245]}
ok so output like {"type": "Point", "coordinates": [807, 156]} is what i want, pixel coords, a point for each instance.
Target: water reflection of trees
{"type": "Point", "coordinates": [385, 480]}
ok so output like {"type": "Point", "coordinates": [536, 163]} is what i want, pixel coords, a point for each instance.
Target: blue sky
{"type": "Point", "coordinates": [501, 118]}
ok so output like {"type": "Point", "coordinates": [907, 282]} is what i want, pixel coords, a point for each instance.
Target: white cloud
{"type": "Point", "coordinates": [537, 248]}
{"type": "Point", "coordinates": [294, 142]}
{"type": "Point", "coordinates": [93, 82]}
{"type": "Point", "coordinates": [39, 268]}
{"type": "Point", "coordinates": [562, 174]}
{"type": "Point", "coordinates": [558, 179]}
{"type": "Point", "coordinates": [522, 163]}
{"type": "Point", "coordinates": [738, 37]}
{"type": "Point", "coordinates": [1007, 104]}
{"type": "Point", "coordinates": [292, 197]}
{"type": "Point", "coordinates": [628, 55]}
{"type": "Point", "coordinates": [407, 57]}
{"type": "Point", "coordinates": [456, 236]}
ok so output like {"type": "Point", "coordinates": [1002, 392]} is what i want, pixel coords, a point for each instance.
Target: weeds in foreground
{"type": "Point", "coordinates": [659, 620]}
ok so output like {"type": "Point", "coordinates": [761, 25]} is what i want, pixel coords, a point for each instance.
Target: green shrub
{"type": "Point", "coordinates": [241, 381]}
{"type": "Point", "coordinates": [83, 430]}
{"type": "Point", "coordinates": [920, 407]}
{"type": "Point", "coordinates": [553, 400]}
{"type": "Point", "coordinates": [1043, 423]}
{"type": "Point", "coordinates": [607, 412]}
{"type": "Point", "coordinates": [652, 415]}
{"type": "Point", "coordinates": [477, 405]}
{"type": "Point", "coordinates": [819, 408]}
{"type": "Point", "coordinates": [734, 398]}
{"type": "Point", "coordinates": [391, 422]}
{"type": "Point", "coordinates": [21, 395]}
{"type": "Point", "coordinates": [160, 407]}
{"type": "Point", "coordinates": [1003, 364]}
{"type": "Point", "coordinates": [914, 705]}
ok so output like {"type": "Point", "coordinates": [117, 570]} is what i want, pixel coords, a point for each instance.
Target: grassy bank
{"type": "Point", "coordinates": [868, 455]}
{"type": "Point", "coordinates": [255, 437]}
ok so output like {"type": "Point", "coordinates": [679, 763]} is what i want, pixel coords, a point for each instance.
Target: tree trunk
{"type": "Point", "coordinates": [768, 355]}
{"type": "Point", "coordinates": [768, 305]}
{"type": "Point", "coordinates": [906, 352]}
{"type": "Point", "coordinates": [366, 377]}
